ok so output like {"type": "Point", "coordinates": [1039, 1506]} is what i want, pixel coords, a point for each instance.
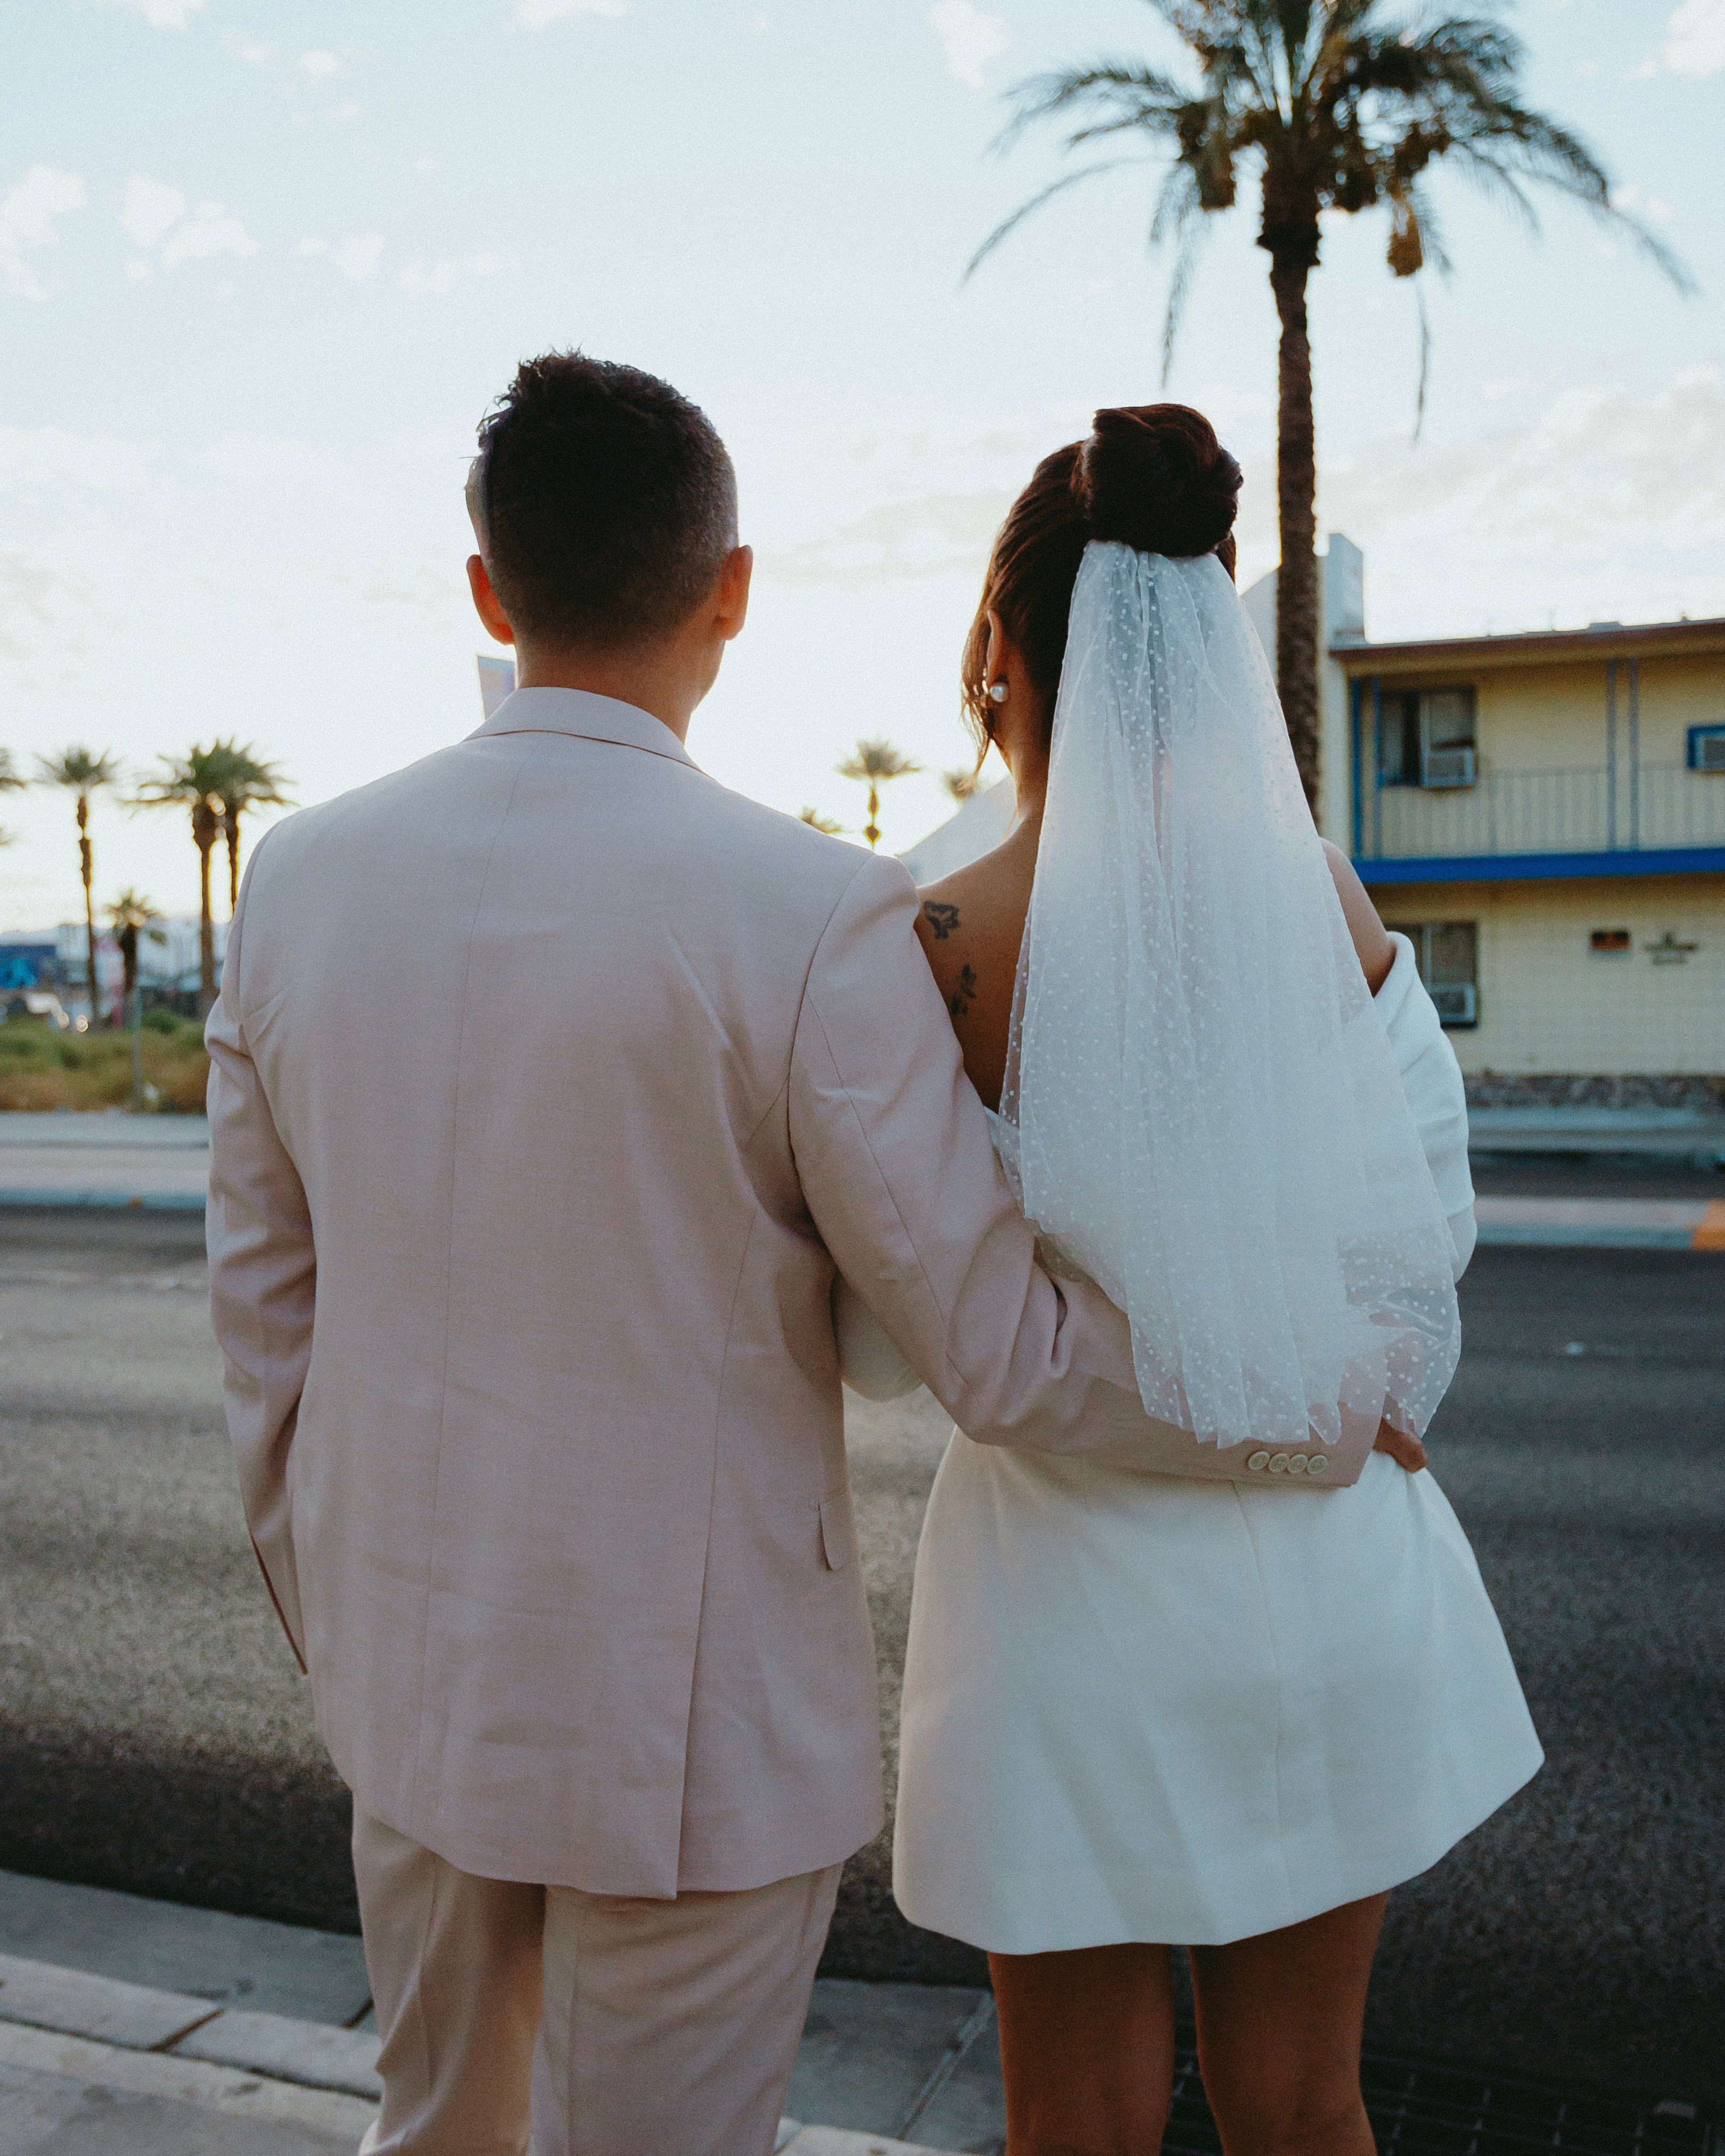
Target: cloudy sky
{"type": "Point", "coordinates": [263, 262]}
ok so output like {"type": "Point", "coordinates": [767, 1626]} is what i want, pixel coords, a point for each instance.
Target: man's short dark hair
{"type": "Point", "coordinates": [606, 502]}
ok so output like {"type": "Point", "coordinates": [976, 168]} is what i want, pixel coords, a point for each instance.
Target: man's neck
{"type": "Point", "coordinates": [654, 681]}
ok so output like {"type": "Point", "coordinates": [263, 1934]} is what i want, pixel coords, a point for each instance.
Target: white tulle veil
{"type": "Point", "coordinates": [1209, 1119]}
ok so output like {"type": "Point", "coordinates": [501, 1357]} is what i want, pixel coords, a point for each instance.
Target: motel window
{"type": "Point", "coordinates": [1447, 953]}
{"type": "Point", "coordinates": [1428, 737]}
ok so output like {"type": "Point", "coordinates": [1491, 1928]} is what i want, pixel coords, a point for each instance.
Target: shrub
{"type": "Point", "coordinates": [41, 1069]}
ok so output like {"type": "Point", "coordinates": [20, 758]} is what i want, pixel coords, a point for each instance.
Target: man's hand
{"type": "Point", "coordinates": [1404, 1450]}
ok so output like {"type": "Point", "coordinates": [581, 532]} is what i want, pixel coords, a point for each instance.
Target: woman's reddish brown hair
{"type": "Point", "coordinates": [1151, 476]}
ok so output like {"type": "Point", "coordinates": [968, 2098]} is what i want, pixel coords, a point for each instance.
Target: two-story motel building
{"type": "Point", "coordinates": [1544, 814]}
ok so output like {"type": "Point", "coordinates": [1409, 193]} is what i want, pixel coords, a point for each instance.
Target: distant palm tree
{"type": "Point", "coordinates": [961, 785]}
{"type": "Point", "coordinates": [129, 915]}
{"type": "Point", "coordinates": [250, 784]}
{"type": "Point", "coordinates": [1338, 105]}
{"type": "Point", "coordinates": [81, 772]}
{"type": "Point", "coordinates": [816, 821]}
{"type": "Point", "coordinates": [198, 781]}
{"type": "Point", "coordinates": [874, 763]}
{"type": "Point", "coordinates": [10, 782]}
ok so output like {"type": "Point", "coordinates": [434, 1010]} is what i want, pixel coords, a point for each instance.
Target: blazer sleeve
{"type": "Point", "coordinates": [1437, 1094]}
{"type": "Point", "coordinates": [900, 1175]}
{"type": "Point", "coordinates": [868, 1362]}
{"type": "Point", "coordinates": [263, 1284]}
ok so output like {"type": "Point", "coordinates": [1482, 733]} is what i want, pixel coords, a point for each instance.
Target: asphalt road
{"type": "Point", "coordinates": [154, 1735]}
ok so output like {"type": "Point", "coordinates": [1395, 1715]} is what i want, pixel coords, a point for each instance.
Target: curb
{"type": "Point", "coordinates": [168, 2043]}
{"type": "Point", "coordinates": [112, 1201]}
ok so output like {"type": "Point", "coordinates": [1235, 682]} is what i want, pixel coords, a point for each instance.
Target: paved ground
{"type": "Point", "coordinates": [153, 1735]}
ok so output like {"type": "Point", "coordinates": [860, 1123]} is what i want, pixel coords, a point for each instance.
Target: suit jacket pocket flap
{"type": "Point", "coordinates": [838, 1541]}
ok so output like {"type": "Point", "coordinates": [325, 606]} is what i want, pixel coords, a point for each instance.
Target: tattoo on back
{"type": "Point", "coordinates": [965, 994]}
{"type": "Point", "coordinates": [942, 919]}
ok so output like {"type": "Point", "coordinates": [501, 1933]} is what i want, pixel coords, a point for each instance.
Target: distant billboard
{"type": "Point", "coordinates": [497, 681]}
{"type": "Point", "coordinates": [28, 966]}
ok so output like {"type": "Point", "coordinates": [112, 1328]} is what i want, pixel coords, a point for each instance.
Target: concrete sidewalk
{"type": "Point", "coordinates": [137, 2028]}
{"type": "Point", "coordinates": [1600, 1224]}
{"type": "Point", "coordinates": [230, 2036]}
{"type": "Point", "coordinates": [162, 1163]}
{"type": "Point", "coordinates": [147, 1162]}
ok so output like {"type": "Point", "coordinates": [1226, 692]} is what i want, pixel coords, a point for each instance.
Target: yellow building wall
{"type": "Point", "coordinates": [1552, 716]}
{"type": "Point", "coordinates": [1548, 1003]}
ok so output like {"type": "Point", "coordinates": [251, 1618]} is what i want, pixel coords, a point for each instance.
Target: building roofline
{"type": "Point", "coordinates": [1605, 640]}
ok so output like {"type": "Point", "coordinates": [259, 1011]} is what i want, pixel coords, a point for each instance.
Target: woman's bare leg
{"type": "Point", "coordinates": [1087, 2047]}
{"type": "Point", "coordinates": [1279, 2021]}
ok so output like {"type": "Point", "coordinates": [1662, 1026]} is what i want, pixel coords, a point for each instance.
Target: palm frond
{"type": "Point", "coordinates": [1424, 364]}
{"type": "Point", "coordinates": [1045, 96]}
{"type": "Point", "coordinates": [1047, 194]}
{"type": "Point", "coordinates": [1179, 216]}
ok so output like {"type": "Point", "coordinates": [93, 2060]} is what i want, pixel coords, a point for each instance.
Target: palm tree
{"type": "Point", "coordinates": [82, 772]}
{"type": "Point", "coordinates": [816, 822]}
{"type": "Point", "coordinates": [198, 781]}
{"type": "Point", "coordinates": [963, 785]}
{"type": "Point", "coordinates": [874, 763]}
{"type": "Point", "coordinates": [250, 784]}
{"type": "Point", "coordinates": [129, 915]}
{"type": "Point", "coordinates": [10, 782]}
{"type": "Point", "coordinates": [1336, 105]}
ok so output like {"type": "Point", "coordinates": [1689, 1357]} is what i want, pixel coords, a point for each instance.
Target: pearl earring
{"type": "Point", "coordinates": [997, 692]}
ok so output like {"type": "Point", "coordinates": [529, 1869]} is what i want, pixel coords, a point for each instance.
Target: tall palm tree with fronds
{"type": "Point", "coordinates": [197, 781]}
{"type": "Point", "coordinates": [1332, 105]}
{"type": "Point", "coordinates": [250, 784]}
{"type": "Point", "coordinates": [81, 772]}
{"type": "Point", "coordinates": [874, 763]}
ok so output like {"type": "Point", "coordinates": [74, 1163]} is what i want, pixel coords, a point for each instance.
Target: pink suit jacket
{"type": "Point", "coordinates": [550, 1083]}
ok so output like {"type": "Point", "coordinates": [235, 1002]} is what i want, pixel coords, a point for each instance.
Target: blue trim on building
{"type": "Point", "coordinates": [1527, 867]}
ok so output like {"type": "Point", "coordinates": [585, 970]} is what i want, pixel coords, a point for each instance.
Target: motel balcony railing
{"type": "Point", "coordinates": [1570, 811]}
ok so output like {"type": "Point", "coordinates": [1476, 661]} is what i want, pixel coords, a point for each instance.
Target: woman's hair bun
{"type": "Point", "coordinates": [1154, 476]}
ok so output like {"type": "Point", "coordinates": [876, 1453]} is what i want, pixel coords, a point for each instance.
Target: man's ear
{"type": "Point", "coordinates": [732, 592]}
{"type": "Point", "coordinates": [486, 601]}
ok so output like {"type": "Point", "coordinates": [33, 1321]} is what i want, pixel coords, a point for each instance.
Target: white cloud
{"type": "Point", "coordinates": [252, 51]}
{"type": "Point", "coordinates": [541, 14]}
{"type": "Point", "coordinates": [321, 65]}
{"type": "Point", "coordinates": [1606, 503]}
{"type": "Point", "coordinates": [209, 231]}
{"type": "Point", "coordinates": [161, 222]}
{"type": "Point", "coordinates": [970, 38]}
{"type": "Point", "coordinates": [149, 209]}
{"type": "Point", "coordinates": [30, 212]}
{"type": "Point", "coordinates": [355, 257]}
{"type": "Point", "coordinates": [445, 274]}
{"type": "Point", "coordinates": [1693, 43]}
{"type": "Point", "coordinates": [167, 14]}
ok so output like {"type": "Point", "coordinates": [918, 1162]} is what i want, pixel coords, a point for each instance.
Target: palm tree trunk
{"type": "Point", "coordinates": [87, 864]}
{"type": "Point", "coordinates": [230, 828]}
{"type": "Point", "coordinates": [203, 830]}
{"type": "Point", "coordinates": [1296, 655]}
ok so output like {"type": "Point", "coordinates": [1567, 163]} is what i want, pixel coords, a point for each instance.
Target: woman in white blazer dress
{"type": "Point", "coordinates": [1140, 1710]}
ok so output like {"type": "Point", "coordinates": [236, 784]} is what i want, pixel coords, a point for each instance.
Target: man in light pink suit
{"type": "Point", "coordinates": [552, 1085]}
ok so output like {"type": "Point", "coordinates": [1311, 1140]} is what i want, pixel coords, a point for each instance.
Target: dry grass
{"type": "Point", "coordinates": [40, 1068]}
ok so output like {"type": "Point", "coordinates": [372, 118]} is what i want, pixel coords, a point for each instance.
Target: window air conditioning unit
{"type": "Point", "coordinates": [1706, 748]}
{"type": "Point", "coordinates": [1447, 766]}
{"type": "Point", "coordinates": [1458, 1003]}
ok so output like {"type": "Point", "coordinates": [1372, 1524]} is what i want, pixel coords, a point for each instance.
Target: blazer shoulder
{"type": "Point", "coordinates": [784, 850]}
